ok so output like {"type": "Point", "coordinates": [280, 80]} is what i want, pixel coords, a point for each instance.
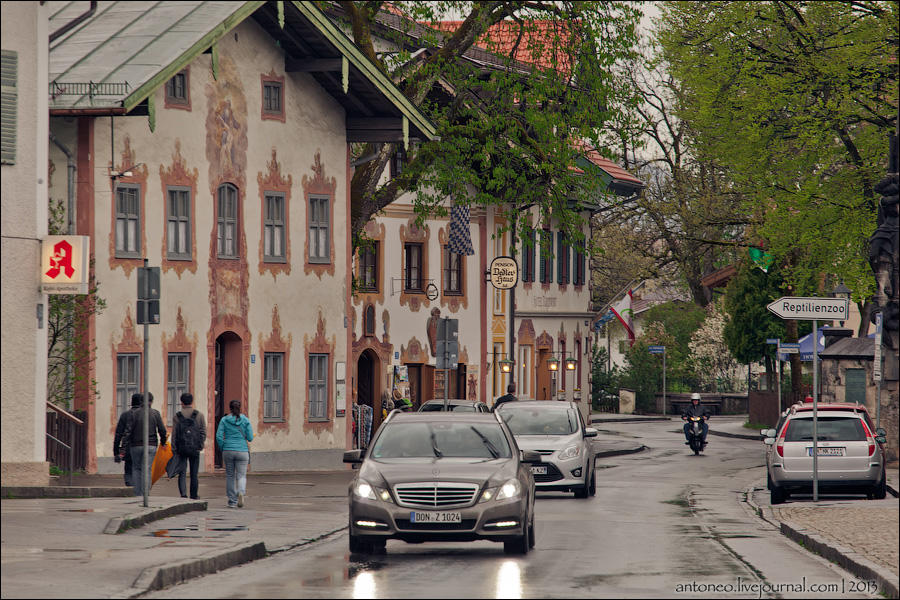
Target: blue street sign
{"type": "Point", "coordinates": [771, 340]}
{"type": "Point", "coordinates": [656, 349]}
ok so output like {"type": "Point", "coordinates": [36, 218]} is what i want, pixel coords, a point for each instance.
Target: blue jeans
{"type": "Point", "coordinates": [137, 467]}
{"type": "Point", "coordinates": [704, 429]}
{"type": "Point", "coordinates": [235, 474]}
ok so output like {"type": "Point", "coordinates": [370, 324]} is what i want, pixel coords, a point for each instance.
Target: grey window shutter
{"type": "Point", "coordinates": [8, 112]}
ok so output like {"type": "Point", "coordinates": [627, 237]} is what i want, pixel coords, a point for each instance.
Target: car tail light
{"type": "Point", "coordinates": [779, 445]}
{"type": "Point", "coordinates": [869, 438]}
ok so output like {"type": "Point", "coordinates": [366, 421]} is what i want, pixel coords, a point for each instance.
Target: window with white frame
{"type": "Point", "coordinates": [274, 228]}
{"type": "Point", "coordinates": [318, 387]}
{"type": "Point", "coordinates": [412, 279]}
{"type": "Point", "coordinates": [273, 386]}
{"type": "Point", "coordinates": [319, 230]}
{"type": "Point", "coordinates": [227, 222]}
{"type": "Point", "coordinates": [128, 377]}
{"type": "Point", "coordinates": [453, 272]}
{"type": "Point", "coordinates": [178, 223]}
{"type": "Point", "coordinates": [498, 375]}
{"type": "Point", "coordinates": [128, 221]}
{"type": "Point", "coordinates": [179, 379]}
{"type": "Point", "coordinates": [368, 267]}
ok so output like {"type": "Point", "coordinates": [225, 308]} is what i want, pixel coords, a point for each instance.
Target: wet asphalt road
{"type": "Point", "coordinates": [664, 523]}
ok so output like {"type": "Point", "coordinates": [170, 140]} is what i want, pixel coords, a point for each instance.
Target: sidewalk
{"type": "Point", "coordinates": [65, 537]}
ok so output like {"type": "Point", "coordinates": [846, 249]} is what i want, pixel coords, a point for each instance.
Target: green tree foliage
{"type": "Point", "coordinates": [686, 219]}
{"type": "Point", "coordinates": [643, 371]}
{"type": "Point", "coordinates": [795, 100]}
{"type": "Point", "coordinates": [604, 381]}
{"type": "Point", "coordinates": [679, 320]}
{"type": "Point", "coordinates": [510, 131]}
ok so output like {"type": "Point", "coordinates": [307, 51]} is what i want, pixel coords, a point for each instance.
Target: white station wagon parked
{"type": "Point", "coordinates": [851, 453]}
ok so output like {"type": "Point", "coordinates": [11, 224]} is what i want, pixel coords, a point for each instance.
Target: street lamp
{"type": "Point", "coordinates": [841, 291]}
{"type": "Point", "coordinates": [506, 365]}
{"type": "Point", "coordinates": [553, 363]}
{"type": "Point", "coordinates": [571, 363]}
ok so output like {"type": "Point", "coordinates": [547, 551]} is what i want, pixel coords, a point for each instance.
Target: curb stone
{"type": "Point", "coordinates": [120, 524]}
{"type": "Point", "coordinates": [853, 562]}
{"type": "Point", "coordinates": [608, 453]}
{"type": "Point", "coordinates": [157, 578]}
{"type": "Point", "coordinates": [64, 491]}
{"type": "Point", "coordinates": [164, 576]}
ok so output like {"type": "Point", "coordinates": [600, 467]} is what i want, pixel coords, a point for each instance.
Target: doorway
{"type": "Point", "coordinates": [228, 381]}
{"type": "Point", "coordinates": [542, 389]}
{"type": "Point", "coordinates": [368, 384]}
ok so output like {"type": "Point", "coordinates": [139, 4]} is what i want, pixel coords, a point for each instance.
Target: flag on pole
{"type": "Point", "coordinates": [460, 235]}
{"type": "Point", "coordinates": [623, 312]}
{"type": "Point", "coordinates": [760, 258]}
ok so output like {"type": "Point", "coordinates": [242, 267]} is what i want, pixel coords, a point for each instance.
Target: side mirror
{"type": "Point", "coordinates": [881, 439]}
{"type": "Point", "coordinates": [531, 457]}
{"type": "Point", "coordinates": [769, 441]}
{"type": "Point", "coordinates": [768, 433]}
{"type": "Point", "coordinates": [880, 431]}
{"type": "Point", "coordinates": [590, 432]}
{"type": "Point", "coordinates": [354, 456]}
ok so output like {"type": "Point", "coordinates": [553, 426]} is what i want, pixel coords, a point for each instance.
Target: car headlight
{"type": "Point", "coordinates": [510, 489]}
{"type": "Point", "coordinates": [570, 452]}
{"type": "Point", "coordinates": [370, 492]}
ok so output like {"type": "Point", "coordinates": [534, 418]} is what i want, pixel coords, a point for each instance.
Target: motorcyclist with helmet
{"type": "Point", "coordinates": [695, 410]}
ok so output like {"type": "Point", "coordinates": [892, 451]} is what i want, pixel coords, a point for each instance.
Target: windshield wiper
{"type": "Point", "coordinates": [490, 446]}
{"type": "Point", "coordinates": [434, 446]}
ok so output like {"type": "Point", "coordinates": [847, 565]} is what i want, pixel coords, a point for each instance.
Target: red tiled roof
{"type": "Point", "coordinates": [612, 168]}
{"type": "Point", "coordinates": [500, 38]}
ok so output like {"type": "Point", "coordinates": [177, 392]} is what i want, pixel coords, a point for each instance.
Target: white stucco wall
{"type": "Point", "coordinates": [314, 123]}
{"type": "Point", "coordinates": [24, 224]}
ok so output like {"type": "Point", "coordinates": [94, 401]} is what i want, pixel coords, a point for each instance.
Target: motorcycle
{"type": "Point", "coordinates": [695, 433]}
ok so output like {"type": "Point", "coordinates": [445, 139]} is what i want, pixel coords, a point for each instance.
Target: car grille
{"type": "Point", "coordinates": [553, 474]}
{"type": "Point", "coordinates": [435, 494]}
{"type": "Point", "coordinates": [465, 524]}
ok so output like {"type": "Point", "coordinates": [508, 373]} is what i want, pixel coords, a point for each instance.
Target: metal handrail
{"type": "Point", "coordinates": [72, 421]}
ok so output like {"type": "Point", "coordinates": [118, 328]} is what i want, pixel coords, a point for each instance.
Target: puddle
{"type": "Point", "coordinates": [173, 532]}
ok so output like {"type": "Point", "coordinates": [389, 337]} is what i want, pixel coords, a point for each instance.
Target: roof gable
{"type": "Point", "coordinates": [125, 51]}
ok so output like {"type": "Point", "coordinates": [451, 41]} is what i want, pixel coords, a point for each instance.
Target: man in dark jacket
{"type": "Point", "coordinates": [189, 418]}
{"type": "Point", "coordinates": [509, 397]}
{"type": "Point", "coordinates": [695, 410]}
{"type": "Point", "coordinates": [121, 450]}
{"type": "Point", "coordinates": [134, 438]}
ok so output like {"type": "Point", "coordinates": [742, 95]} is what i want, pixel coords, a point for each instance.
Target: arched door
{"type": "Point", "coordinates": [368, 384]}
{"type": "Point", "coordinates": [228, 373]}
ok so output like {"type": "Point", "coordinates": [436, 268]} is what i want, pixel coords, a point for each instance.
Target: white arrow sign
{"type": "Point", "coordinates": [811, 309]}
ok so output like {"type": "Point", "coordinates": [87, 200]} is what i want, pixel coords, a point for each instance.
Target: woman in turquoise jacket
{"type": "Point", "coordinates": [232, 435]}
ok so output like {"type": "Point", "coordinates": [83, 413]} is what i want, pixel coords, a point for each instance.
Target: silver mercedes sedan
{"type": "Point", "coordinates": [442, 476]}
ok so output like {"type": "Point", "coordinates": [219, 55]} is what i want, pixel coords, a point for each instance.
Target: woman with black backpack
{"type": "Point", "coordinates": [188, 440]}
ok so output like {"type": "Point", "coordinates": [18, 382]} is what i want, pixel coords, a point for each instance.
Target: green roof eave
{"type": "Point", "coordinates": [361, 62]}
{"type": "Point", "coordinates": [217, 33]}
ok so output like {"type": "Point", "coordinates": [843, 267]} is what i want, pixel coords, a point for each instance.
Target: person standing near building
{"type": "Point", "coordinates": [232, 436]}
{"type": "Point", "coordinates": [509, 397]}
{"type": "Point", "coordinates": [134, 438]}
{"type": "Point", "coordinates": [188, 440]}
{"type": "Point", "coordinates": [121, 450]}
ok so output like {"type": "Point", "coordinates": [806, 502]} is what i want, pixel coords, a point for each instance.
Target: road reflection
{"type": "Point", "coordinates": [509, 580]}
{"type": "Point", "coordinates": [364, 585]}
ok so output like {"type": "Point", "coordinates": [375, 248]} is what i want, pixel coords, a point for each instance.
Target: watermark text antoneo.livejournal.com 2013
{"type": "Point", "coordinates": [759, 588]}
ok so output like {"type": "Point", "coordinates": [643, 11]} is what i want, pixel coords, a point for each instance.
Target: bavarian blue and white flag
{"type": "Point", "coordinates": [460, 235]}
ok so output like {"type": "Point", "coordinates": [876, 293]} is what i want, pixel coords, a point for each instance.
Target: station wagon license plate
{"type": "Point", "coordinates": [435, 517]}
{"type": "Point", "coordinates": [826, 451]}
{"type": "Point", "coordinates": [536, 470]}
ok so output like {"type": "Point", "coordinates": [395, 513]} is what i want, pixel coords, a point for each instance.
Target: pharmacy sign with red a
{"type": "Point", "coordinates": [65, 264]}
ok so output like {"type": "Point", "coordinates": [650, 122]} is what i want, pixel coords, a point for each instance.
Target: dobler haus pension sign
{"type": "Point", "coordinates": [504, 272]}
